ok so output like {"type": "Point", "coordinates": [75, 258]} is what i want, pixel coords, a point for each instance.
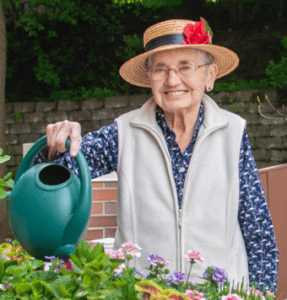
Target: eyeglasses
{"type": "Point", "coordinates": [185, 70]}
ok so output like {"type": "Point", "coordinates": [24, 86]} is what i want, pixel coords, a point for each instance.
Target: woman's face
{"type": "Point", "coordinates": [177, 93]}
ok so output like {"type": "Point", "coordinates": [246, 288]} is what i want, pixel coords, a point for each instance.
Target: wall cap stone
{"type": "Point", "coordinates": [108, 177]}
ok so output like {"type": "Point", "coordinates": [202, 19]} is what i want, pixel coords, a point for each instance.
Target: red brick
{"type": "Point", "coordinates": [103, 221]}
{"type": "Point", "coordinates": [97, 184]}
{"type": "Point", "coordinates": [94, 234]}
{"type": "Point", "coordinates": [99, 195]}
{"type": "Point", "coordinates": [97, 208]}
{"type": "Point", "coordinates": [110, 232]}
{"type": "Point", "coordinates": [110, 208]}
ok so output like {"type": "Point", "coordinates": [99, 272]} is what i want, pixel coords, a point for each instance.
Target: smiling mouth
{"type": "Point", "coordinates": [177, 93]}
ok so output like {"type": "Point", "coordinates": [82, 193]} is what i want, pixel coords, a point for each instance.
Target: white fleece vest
{"type": "Point", "coordinates": [147, 206]}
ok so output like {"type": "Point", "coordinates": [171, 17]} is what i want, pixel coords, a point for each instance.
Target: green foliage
{"type": "Point", "coordinates": [133, 46]}
{"type": "Point", "coordinates": [16, 117]}
{"type": "Point", "coordinates": [74, 45]}
{"type": "Point", "coordinates": [235, 107]}
{"type": "Point", "coordinates": [150, 3]}
{"type": "Point", "coordinates": [45, 71]}
{"type": "Point", "coordinates": [74, 49]}
{"type": "Point", "coordinates": [7, 181]}
{"type": "Point", "coordinates": [241, 84]}
{"type": "Point", "coordinates": [278, 72]}
{"type": "Point", "coordinates": [91, 275]}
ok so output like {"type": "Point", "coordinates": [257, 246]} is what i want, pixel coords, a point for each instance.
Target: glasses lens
{"type": "Point", "coordinates": [187, 70]}
{"type": "Point", "coordinates": [158, 73]}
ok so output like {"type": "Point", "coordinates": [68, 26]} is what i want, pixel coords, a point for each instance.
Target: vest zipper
{"type": "Point", "coordinates": [179, 217]}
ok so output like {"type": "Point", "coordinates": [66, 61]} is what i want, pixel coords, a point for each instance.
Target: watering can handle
{"type": "Point", "coordinates": [83, 209]}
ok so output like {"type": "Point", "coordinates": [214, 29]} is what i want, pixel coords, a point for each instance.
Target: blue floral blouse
{"type": "Point", "coordinates": [101, 151]}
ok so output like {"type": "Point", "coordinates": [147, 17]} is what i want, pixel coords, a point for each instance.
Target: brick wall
{"type": "Point", "coordinates": [103, 220]}
{"type": "Point", "coordinates": [26, 122]}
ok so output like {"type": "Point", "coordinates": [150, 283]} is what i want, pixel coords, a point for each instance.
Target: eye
{"type": "Point", "coordinates": [159, 70]}
{"type": "Point", "coordinates": [186, 68]}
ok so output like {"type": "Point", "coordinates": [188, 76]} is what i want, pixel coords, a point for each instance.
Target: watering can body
{"type": "Point", "coordinates": [49, 207]}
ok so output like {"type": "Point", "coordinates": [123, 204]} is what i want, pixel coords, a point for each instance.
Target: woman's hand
{"type": "Point", "coordinates": [57, 135]}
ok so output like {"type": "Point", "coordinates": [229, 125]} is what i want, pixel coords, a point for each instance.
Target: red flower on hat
{"type": "Point", "coordinates": [196, 34]}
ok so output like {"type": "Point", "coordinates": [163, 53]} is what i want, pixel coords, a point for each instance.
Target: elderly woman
{"type": "Point", "coordinates": [187, 175]}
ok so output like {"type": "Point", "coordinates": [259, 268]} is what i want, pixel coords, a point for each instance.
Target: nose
{"type": "Point", "coordinates": [172, 78]}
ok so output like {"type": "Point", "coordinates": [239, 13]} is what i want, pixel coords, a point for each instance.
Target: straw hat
{"type": "Point", "coordinates": [177, 34]}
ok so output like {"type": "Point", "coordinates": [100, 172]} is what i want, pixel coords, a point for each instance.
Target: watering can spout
{"type": "Point", "coordinates": [49, 207]}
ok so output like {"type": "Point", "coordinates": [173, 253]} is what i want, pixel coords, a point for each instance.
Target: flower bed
{"type": "Point", "coordinates": [92, 273]}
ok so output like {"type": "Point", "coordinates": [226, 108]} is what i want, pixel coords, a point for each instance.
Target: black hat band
{"type": "Point", "coordinates": [168, 39]}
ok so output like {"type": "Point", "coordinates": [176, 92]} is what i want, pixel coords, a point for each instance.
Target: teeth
{"type": "Point", "coordinates": [176, 93]}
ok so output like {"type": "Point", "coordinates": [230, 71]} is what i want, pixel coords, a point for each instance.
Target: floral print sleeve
{"type": "Point", "coordinates": [100, 149]}
{"type": "Point", "coordinates": [256, 223]}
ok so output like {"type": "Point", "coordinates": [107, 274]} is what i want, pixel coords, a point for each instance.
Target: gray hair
{"type": "Point", "coordinates": [205, 57]}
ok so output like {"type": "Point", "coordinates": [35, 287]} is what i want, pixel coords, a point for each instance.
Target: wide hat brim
{"type": "Point", "coordinates": [135, 70]}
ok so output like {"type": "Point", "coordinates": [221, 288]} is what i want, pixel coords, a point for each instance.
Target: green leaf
{"type": "Point", "coordinates": [9, 183]}
{"type": "Point", "coordinates": [43, 276]}
{"type": "Point", "coordinates": [15, 270]}
{"type": "Point", "coordinates": [77, 266]}
{"type": "Point", "coordinates": [207, 27]}
{"type": "Point", "coordinates": [4, 158]}
{"type": "Point", "coordinates": [3, 193]}
{"type": "Point", "coordinates": [84, 252]}
{"type": "Point", "coordinates": [38, 289]}
{"type": "Point", "coordinates": [87, 280]}
{"type": "Point", "coordinates": [58, 290]}
{"type": "Point", "coordinates": [70, 283]}
{"type": "Point", "coordinates": [8, 176]}
{"type": "Point", "coordinates": [2, 268]}
{"type": "Point", "coordinates": [23, 289]}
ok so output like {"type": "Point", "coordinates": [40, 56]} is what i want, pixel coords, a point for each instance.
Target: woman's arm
{"type": "Point", "coordinates": [99, 147]}
{"type": "Point", "coordinates": [256, 223]}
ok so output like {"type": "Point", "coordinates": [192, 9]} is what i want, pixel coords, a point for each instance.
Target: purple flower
{"type": "Point", "coordinates": [176, 277]}
{"type": "Point", "coordinates": [50, 257]}
{"type": "Point", "coordinates": [140, 273]}
{"type": "Point", "coordinates": [217, 274]}
{"type": "Point", "coordinates": [155, 260]}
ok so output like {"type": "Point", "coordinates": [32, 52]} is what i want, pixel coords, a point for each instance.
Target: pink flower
{"type": "Point", "coordinates": [117, 254]}
{"type": "Point", "coordinates": [194, 295]}
{"type": "Point", "coordinates": [193, 256]}
{"type": "Point", "coordinates": [118, 270]}
{"type": "Point", "coordinates": [130, 250]}
{"type": "Point", "coordinates": [231, 297]}
{"type": "Point", "coordinates": [255, 293]}
{"type": "Point", "coordinates": [4, 256]}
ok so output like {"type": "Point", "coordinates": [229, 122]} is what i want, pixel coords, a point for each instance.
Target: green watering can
{"type": "Point", "coordinates": [49, 207]}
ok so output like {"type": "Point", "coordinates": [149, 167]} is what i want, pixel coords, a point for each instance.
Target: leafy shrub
{"type": "Point", "coordinates": [98, 274]}
{"type": "Point", "coordinates": [7, 181]}
{"type": "Point", "coordinates": [278, 72]}
{"type": "Point", "coordinates": [83, 44]}
{"type": "Point", "coordinates": [241, 84]}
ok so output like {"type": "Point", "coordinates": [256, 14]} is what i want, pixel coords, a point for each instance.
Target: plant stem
{"type": "Point", "coordinates": [188, 274]}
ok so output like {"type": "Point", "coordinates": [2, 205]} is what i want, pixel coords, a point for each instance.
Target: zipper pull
{"type": "Point", "coordinates": [179, 217]}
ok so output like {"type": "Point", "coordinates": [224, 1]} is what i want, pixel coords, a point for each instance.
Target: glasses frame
{"type": "Point", "coordinates": [176, 71]}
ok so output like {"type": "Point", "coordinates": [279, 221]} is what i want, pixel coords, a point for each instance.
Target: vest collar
{"type": "Point", "coordinates": [213, 117]}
